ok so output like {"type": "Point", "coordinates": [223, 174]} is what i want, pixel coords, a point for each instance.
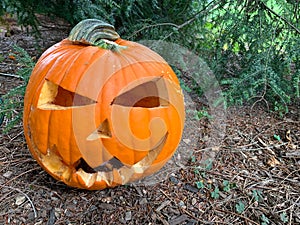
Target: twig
{"type": "Point", "coordinates": [287, 177]}
{"type": "Point", "coordinates": [154, 25]}
{"type": "Point", "coordinates": [268, 147]}
{"type": "Point", "coordinates": [13, 138]}
{"type": "Point", "coordinates": [198, 13]}
{"type": "Point", "coordinates": [185, 211]}
{"type": "Point", "coordinates": [191, 215]}
{"type": "Point", "coordinates": [247, 145]}
{"type": "Point", "coordinates": [261, 99]}
{"type": "Point", "coordinates": [21, 175]}
{"type": "Point", "coordinates": [292, 210]}
{"type": "Point", "coordinates": [165, 194]}
{"type": "Point", "coordinates": [238, 215]}
{"type": "Point", "coordinates": [214, 148]}
{"type": "Point", "coordinates": [31, 203]}
{"type": "Point", "coordinates": [23, 160]}
{"type": "Point", "coordinates": [280, 17]}
{"type": "Point", "coordinates": [10, 75]}
{"type": "Point", "coordinates": [276, 124]}
{"type": "Point", "coordinates": [178, 27]}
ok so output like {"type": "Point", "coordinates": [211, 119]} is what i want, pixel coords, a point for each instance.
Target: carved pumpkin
{"type": "Point", "coordinates": [100, 111]}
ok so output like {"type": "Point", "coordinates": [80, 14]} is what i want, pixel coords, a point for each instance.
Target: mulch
{"type": "Point", "coordinates": [254, 177]}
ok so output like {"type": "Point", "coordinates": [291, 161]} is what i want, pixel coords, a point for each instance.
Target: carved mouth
{"type": "Point", "coordinates": [111, 172]}
{"type": "Point", "coordinates": [114, 171]}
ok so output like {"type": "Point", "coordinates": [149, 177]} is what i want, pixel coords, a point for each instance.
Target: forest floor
{"type": "Point", "coordinates": [253, 178]}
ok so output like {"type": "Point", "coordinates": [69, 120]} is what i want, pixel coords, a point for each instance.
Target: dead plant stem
{"type": "Point", "coordinates": [31, 203]}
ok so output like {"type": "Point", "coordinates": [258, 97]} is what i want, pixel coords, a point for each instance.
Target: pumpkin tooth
{"type": "Point", "coordinates": [53, 162]}
{"type": "Point", "coordinates": [105, 176]}
{"type": "Point", "coordinates": [136, 171]}
{"type": "Point", "coordinates": [86, 179]}
{"type": "Point", "coordinates": [126, 174]}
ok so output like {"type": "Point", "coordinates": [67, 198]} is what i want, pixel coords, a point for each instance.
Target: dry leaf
{"type": "Point", "coordinates": [20, 199]}
{"type": "Point", "coordinates": [12, 57]}
{"type": "Point", "coordinates": [288, 135]}
{"type": "Point", "coordinates": [272, 162]}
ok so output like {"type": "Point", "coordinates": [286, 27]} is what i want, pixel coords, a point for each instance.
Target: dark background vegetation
{"type": "Point", "coordinates": [253, 48]}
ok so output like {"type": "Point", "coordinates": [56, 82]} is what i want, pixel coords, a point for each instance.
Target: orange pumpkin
{"type": "Point", "coordinates": [100, 111]}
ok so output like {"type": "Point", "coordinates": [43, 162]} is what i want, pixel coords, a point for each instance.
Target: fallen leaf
{"type": "Point", "coordinates": [20, 199]}
{"type": "Point", "coordinates": [8, 174]}
{"type": "Point", "coordinates": [272, 162]}
{"type": "Point", "coordinates": [186, 140]}
{"type": "Point", "coordinates": [288, 135]}
{"type": "Point", "coordinates": [12, 57]}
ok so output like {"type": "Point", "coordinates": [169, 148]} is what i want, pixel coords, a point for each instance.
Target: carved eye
{"type": "Point", "coordinates": [54, 97]}
{"type": "Point", "coordinates": [150, 94]}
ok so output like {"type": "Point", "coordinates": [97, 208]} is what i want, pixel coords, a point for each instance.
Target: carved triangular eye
{"type": "Point", "coordinates": [55, 97]}
{"type": "Point", "coordinates": [150, 94]}
{"type": "Point", "coordinates": [103, 131]}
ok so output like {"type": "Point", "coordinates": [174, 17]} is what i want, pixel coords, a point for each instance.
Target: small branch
{"type": "Point", "coordinates": [237, 215]}
{"type": "Point", "coordinates": [267, 147]}
{"type": "Point", "coordinates": [261, 99]}
{"type": "Point", "coordinates": [287, 177]}
{"type": "Point", "coordinates": [187, 212]}
{"type": "Point", "coordinates": [22, 174]}
{"type": "Point", "coordinates": [178, 27]}
{"type": "Point", "coordinates": [292, 210]}
{"type": "Point", "coordinates": [11, 75]}
{"type": "Point", "coordinates": [13, 138]}
{"type": "Point", "coordinates": [280, 17]}
{"type": "Point", "coordinates": [31, 203]}
{"type": "Point", "coordinates": [194, 17]}
{"type": "Point", "coordinates": [153, 25]}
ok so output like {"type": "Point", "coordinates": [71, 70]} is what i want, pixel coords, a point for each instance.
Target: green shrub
{"type": "Point", "coordinates": [253, 47]}
{"type": "Point", "coordinates": [11, 106]}
{"type": "Point", "coordinates": [254, 51]}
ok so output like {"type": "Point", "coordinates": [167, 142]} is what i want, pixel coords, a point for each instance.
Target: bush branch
{"type": "Point", "coordinates": [280, 17]}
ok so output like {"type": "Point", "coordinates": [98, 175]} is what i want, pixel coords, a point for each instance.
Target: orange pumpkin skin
{"type": "Point", "coordinates": [91, 119]}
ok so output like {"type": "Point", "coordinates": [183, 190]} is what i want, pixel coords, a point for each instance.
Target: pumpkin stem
{"type": "Point", "coordinates": [96, 33]}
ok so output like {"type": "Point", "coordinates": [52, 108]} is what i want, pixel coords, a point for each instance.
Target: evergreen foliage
{"type": "Point", "coordinates": [256, 52]}
{"type": "Point", "coordinates": [11, 106]}
{"type": "Point", "coordinates": [253, 47]}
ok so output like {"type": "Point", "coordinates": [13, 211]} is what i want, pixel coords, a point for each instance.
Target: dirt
{"type": "Point", "coordinates": [254, 177]}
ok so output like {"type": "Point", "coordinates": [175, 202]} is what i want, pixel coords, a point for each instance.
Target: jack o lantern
{"type": "Point", "coordinates": [100, 111]}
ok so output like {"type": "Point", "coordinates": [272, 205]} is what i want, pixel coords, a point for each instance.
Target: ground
{"type": "Point", "coordinates": [254, 177]}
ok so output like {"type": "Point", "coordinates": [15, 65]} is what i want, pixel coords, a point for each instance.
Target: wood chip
{"type": "Point", "coordinates": [20, 199]}
{"type": "Point", "coordinates": [179, 220]}
{"type": "Point", "coordinates": [163, 205]}
{"type": "Point", "coordinates": [128, 215]}
{"type": "Point", "coordinates": [8, 174]}
{"type": "Point", "coordinates": [186, 140]}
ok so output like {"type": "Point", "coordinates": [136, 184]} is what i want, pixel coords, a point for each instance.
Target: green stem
{"type": "Point", "coordinates": [96, 33]}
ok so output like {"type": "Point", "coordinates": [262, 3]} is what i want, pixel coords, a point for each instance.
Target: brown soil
{"type": "Point", "coordinates": [254, 178]}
